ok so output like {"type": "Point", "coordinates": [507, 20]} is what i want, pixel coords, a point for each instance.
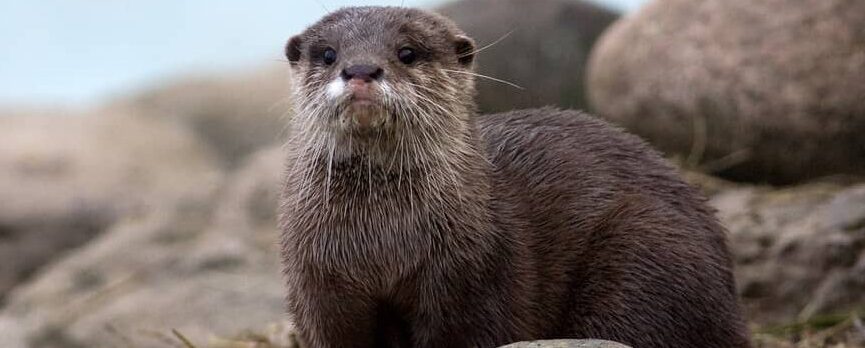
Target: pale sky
{"type": "Point", "coordinates": [82, 51]}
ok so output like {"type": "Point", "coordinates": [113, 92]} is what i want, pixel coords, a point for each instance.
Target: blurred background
{"type": "Point", "coordinates": [81, 52]}
{"type": "Point", "coordinates": [140, 160]}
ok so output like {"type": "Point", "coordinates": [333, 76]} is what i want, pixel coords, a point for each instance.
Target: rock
{"type": "Point", "coordinates": [205, 264]}
{"type": "Point", "coordinates": [11, 333]}
{"type": "Point", "coordinates": [758, 91]}
{"type": "Point", "coordinates": [235, 115]}
{"type": "Point", "coordinates": [546, 51]}
{"type": "Point", "coordinates": [65, 178]}
{"type": "Point", "coordinates": [567, 344]}
{"type": "Point", "coordinates": [799, 252]}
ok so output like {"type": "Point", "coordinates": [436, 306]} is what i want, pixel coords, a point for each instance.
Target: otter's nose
{"type": "Point", "coordinates": [367, 73]}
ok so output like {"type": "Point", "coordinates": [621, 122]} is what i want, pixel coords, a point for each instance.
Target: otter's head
{"type": "Point", "coordinates": [366, 78]}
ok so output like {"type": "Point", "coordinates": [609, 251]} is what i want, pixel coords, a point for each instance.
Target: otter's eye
{"type": "Point", "coordinates": [329, 56]}
{"type": "Point", "coordinates": [407, 55]}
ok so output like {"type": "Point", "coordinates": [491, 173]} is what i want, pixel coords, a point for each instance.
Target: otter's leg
{"type": "Point", "coordinates": [658, 279]}
{"type": "Point", "coordinates": [450, 312]}
{"type": "Point", "coordinates": [330, 318]}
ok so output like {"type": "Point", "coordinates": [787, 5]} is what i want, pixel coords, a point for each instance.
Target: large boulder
{"type": "Point", "coordinates": [761, 91]}
{"type": "Point", "coordinates": [205, 264]}
{"type": "Point", "coordinates": [545, 53]}
{"type": "Point", "coordinates": [235, 114]}
{"type": "Point", "coordinates": [66, 177]}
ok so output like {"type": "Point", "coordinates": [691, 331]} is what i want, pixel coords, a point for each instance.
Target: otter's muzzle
{"type": "Point", "coordinates": [364, 110]}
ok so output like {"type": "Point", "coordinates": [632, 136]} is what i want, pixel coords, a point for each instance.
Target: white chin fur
{"type": "Point", "coordinates": [385, 89]}
{"type": "Point", "coordinates": [335, 88]}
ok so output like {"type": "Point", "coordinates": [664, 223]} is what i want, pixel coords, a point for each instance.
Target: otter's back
{"type": "Point", "coordinates": [552, 154]}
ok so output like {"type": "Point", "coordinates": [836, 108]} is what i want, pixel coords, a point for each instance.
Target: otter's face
{"type": "Point", "coordinates": [381, 71]}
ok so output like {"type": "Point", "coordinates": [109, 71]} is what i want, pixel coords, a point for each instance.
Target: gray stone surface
{"type": "Point", "coordinates": [567, 344]}
{"type": "Point", "coordinates": [799, 252]}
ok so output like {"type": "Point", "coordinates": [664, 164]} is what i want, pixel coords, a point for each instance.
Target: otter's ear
{"type": "Point", "coordinates": [465, 48]}
{"type": "Point", "coordinates": [292, 49]}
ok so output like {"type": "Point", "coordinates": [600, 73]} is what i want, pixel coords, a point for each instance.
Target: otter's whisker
{"type": "Point", "coordinates": [479, 50]}
{"type": "Point", "coordinates": [486, 77]}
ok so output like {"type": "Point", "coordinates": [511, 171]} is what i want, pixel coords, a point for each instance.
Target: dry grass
{"type": "Point", "coordinates": [836, 331]}
{"type": "Point", "coordinates": [278, 335]}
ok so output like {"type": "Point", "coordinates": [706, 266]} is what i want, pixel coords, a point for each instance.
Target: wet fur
{"type": "Point", "coordinates": [446, 229]}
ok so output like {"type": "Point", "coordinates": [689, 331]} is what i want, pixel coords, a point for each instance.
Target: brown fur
{"type": "Point", "coordinates": [440, 228]}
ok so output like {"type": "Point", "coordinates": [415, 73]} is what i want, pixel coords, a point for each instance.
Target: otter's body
{"type": "Point", "coordinates": [410, 222]}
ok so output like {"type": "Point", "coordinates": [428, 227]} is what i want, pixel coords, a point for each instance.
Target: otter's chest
{"type": "Point", "coordinates": [362, 238]}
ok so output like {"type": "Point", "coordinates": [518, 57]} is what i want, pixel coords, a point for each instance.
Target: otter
{"type": "Point", "coordinates": [410, 221]}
